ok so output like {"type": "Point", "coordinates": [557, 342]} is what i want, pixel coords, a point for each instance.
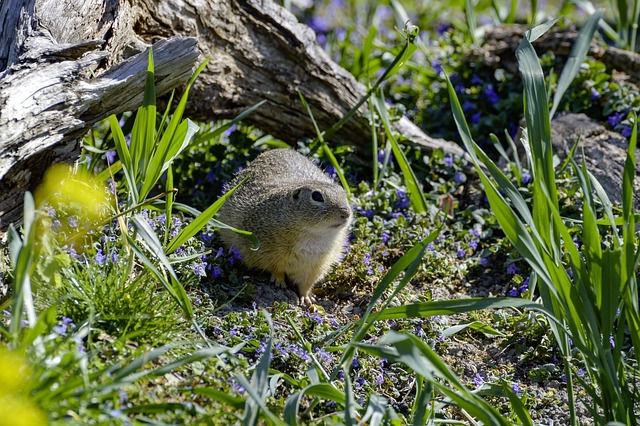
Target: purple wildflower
{"type": "Point", "coordinates": [475, 79]}
{"type": "Point", "coordinates": [478, 380]}
{"type": "Point", "coordinates": [491, 94]}
{"type": "Point", "coordinates": [459, 177]}
{"type": "Point", "coordinates": [615, 118]}
{"type": "Point", "coordinates": [100, 257]}
{"type": "Point", "coordinates": [516, 388]}
{"type": "Point", "coordinates": [448, 160]}
{"type": "Point", "coordinates": [526, 178]}
{"type": "Point", "coordinates": [626, 131]}
{"type": "Point", "coordinates": [512, 269]}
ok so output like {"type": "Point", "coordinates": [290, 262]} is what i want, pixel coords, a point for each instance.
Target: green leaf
{"type": "Point", "coordinates": [125, 157]}
{"type": "Point", "coordinates": [576, 57]}
{"type": "Point", "coordinates": [475, 325]}
{"type": "Point", "coordinates": [321, 390]}
{"type": "Point", "coordinates": [418, 202]}
{"type": "Point", "coordinates": [258, 389]}
{"type": "Point", "coordinates": [173, 286]}
{"type": "Point", "coordinates": [199, 222]}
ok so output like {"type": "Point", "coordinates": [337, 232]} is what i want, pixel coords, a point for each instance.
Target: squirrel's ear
{"type": "Point", "coordinates": [296, 194]}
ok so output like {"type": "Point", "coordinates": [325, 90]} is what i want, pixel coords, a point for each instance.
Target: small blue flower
{"type": "Point", "coordinates": [317, 318]}
{"type": "Point", "coordinates": [468, 105]}
{"type": "Point", "coordinates": [100, 257]}
{"type": "Point", "coordinates": [516, 388]}
{"type": "Point", "coordinates": [217, 271]}
{"type": "Point", "coordinates": [385, 237]}
{"type": "Point", "coordinates": [461, 252]}
{"type": "Point", "coordinates": [478, 380]}
{"type": "Point", "coordinates": [473, 244]}
{"type": "Point", "coordinates": [73, 222]}
{"type": "Point", "coordinates": [437, 66]}
{"type": "Point", "coordinates": [475, 118]}
{"type": "Point", "coordinates": [403, 201]}
{"type": "Point", "coordinates": [355, 363]}
{"type": "Point", "coordinates": [199, 269]}
{"type": "Point", "coordinates": [459, 177]}
{"type": "Point", "coordinates": [594, 94]}
{"type": "Point", "coordinates": [475, 79]}
{"type": "Point", "coordinates": [431, 247]}
{"type": "Point", "coordinates": [322, 354]}
{"type": "Point", "coordinates": [448, 160]}
{"type": "Point", "coordinates": [483, 261]}
{"type": "Point", "coordinates": [526, 178]}
{"type": "Point", "coordinates": [235, 253]}
{"type": "Point", "coordinates": [512, 269]}
{"type": "Point", "coordinates": [514, 292]}
{"type": "Point", "coordinates": [491, 94]}
{"type": "Point", "coordinates": [626, 131]}
{"type": "Point", "coordinates": [331, 171]}
{"type": "Point", "coordinates": [110, 156]}
{"type": "Point", "coordinates": [615, 118]}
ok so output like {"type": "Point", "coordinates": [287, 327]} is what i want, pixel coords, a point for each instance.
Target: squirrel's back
{"type": "Point", "coordinates": [299, 215]}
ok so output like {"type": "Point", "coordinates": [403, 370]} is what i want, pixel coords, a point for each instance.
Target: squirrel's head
{"type": "Point", "coordinates": [321, 205]}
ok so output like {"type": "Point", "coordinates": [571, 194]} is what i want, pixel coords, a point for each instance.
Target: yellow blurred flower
{"type": "Point", "coordinates": [16, 408]}
{"type": "Point", "coordinates": [61, 185]}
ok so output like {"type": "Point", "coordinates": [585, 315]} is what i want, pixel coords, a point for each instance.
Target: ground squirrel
{"type": "Point", "coordinates": [299, 215]}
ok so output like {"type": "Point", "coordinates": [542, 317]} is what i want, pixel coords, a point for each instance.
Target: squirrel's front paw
{"type": "Point", "coordinates": [278, 281]}
{"type": "Point", "coordinates": [307, 300]}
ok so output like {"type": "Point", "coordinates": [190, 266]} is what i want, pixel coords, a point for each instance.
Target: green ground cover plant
{"type": "Point", "coordinates": [468, 294]}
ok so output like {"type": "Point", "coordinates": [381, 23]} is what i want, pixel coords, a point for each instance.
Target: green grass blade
{"type": "Point", "coordinates": [518, 407]}
{"type": "Point", "coordinates": [418, 202]}
{"type": "Point", "coordinates": [536, 32]}
{"type": "Point", "coordinates": [206, 136]}
{"type": "Point", "coordinates": [320, 390]}
{"type": "Point", "coordinates": [458, 306]}
{"type": "Point", "coordinates": [470, 13]}
{"type": "Point", "coordinates": [576, 57]}
{"type": "Point", "coordinates": [199, 222]}
{"type": "Point", "coordinates": [325, 148]}
{"type": "Point", "coordinates": [410, 35]}
{"type": "Point", "coordinates": [409, 263]}
{"type": "Point", "coordinates": [173, 286]}
{"type": "Point", "coordinates": [375, 410]}
{"type": "Point", "coordinates": [475, 325]}
{"type": "Point", "coordinates": [165, 153]}
{"type": "Point", "coordinates": [537, 117]}
{"type": "Point", "coordinates": [411, 351]}
{"type": "Point", "coordinates": [125, 157]}
{"type": "Point", "coordinates": [223, 397]}
{"type": "Point", "coordinates": [258, 389]}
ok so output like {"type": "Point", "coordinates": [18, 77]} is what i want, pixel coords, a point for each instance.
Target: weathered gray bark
{"type": "Point", "coordinates": [604, 151]}
{"type": "Point", "coordinates": [500, 44]}
{"type": "Point", "coordinates": [62, 69]}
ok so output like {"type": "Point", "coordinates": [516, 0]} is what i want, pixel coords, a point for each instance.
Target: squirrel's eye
{"type": "Point", "coordinates": [317, 196]}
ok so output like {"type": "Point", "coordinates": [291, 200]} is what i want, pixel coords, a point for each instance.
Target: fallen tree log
{"type": "Point", "coordinates": [500, 43]}
{"type": "Point", "coordinates": [65, 64]}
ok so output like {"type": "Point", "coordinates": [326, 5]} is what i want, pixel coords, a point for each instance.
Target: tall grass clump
{"type": "Point", "coordinates": [590, 294]}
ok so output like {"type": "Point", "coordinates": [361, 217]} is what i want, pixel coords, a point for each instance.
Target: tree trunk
{"type": "Point", "coordinates": [66, 64]}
